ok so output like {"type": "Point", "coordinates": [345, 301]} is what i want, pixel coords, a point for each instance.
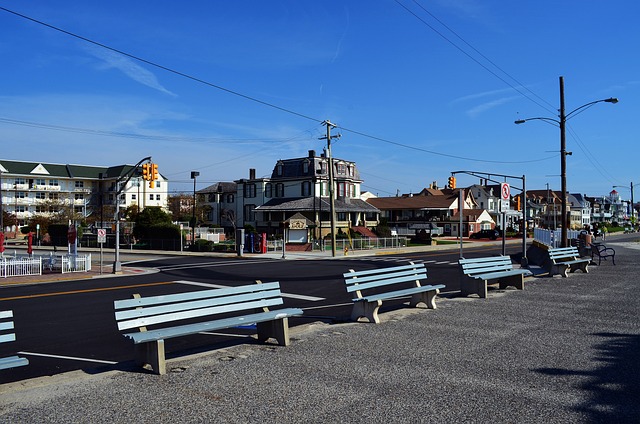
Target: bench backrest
{"type": "Point", "coordinates": [477, 266]}
{"type": "Point", "coordinates": [563, 253]}
{"type": "Point", "coordinates": [357, 281]}
{"type": "Point", "coordinates": [143, 311]}
{"type": "Point", "coordinates": [6, 327]}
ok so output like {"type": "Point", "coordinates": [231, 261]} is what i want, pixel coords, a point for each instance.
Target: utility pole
{"type": "Point", "coordinates": [563, 168]}
{"type": "Point", "coordinates": [331, 188]}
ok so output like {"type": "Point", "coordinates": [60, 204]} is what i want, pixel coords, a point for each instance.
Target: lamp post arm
{"type": "Point", "coordinates": [522, 121]}
{"type": "Point", "coordinates": [588, 105]}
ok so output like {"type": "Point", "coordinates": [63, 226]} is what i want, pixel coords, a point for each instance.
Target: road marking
{"type": "Point", "coordinates": [33, 296]}
{"type": "Point", "coordinates": [72, 358]}
{"type": "Point", "coordinates": [212, 265]}
{"type": "Point", "coordinates": [218, 286]}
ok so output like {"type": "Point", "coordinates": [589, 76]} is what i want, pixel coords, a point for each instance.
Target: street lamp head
{"type": "Point", "coordinates": [194, 174]}
{"type": "Point", "coordinates": [520, 121]}
{"type": "Point", "coordinates": [613, 100]}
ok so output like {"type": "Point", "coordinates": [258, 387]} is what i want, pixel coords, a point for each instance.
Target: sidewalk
{"type": "Point", "coordinates": [562, 350]}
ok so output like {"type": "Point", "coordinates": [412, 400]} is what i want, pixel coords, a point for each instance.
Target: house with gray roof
{"type": "Point", "coordinates": [297, 191]}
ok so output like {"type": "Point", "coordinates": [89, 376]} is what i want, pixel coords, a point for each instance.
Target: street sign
{"type": "Point", "coordinates": [505, 191]}
{"type": "Point", "coordinates": [102, 235]}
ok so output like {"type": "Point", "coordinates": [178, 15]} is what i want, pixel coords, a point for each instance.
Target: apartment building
{"type": "Point", "coordinates": [28, 189]}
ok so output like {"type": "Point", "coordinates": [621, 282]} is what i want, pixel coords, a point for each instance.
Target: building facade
{"type": "Point", "coordinates": [29, 189]}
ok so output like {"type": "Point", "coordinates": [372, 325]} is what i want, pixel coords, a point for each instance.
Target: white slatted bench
{"type": "Point", "coordinates": [372, 281]}
{"type": "Point", "coordinates": [233, 307]}
{"type": "Point", "coordinates": [565, 260]}
{"type": "Point", "coordinates": [7, 334]}
{"type": "Point", "coordinates": [477, 273]}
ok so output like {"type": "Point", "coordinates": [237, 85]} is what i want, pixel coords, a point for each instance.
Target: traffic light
{"type": "Point", "coordinates": [152, 184]}
{"type": "Point", "coordinates": [145, 172]}
{"type": "Point", "coordinates": [517, 203]}
{"type": "Point", "coordinates": [154, 171]}
{"type": "Point", "coordinates": [452, 182]}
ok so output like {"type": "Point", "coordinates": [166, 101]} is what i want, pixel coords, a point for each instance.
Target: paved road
{"type": "Point", "coordinates": [69, 325]}
{"type": "Point", "coordinates": [562, 350]}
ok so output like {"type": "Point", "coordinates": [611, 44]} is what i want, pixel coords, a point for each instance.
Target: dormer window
{"type": "Point", "coordinates": [279, 169]}
{"type": "Point", "coordinates": [305, 167]}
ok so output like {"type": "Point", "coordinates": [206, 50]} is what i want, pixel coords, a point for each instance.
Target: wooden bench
{"type": "Point", "coordinates": [601, 251]}
{"type": "Point", "coordinates": [233, 307]}
{"type": "Point", "coordinates": [8, 335]}
{"type": "Point", "coordinates": [476, 274]}
{"type": "Point", "coordinates": [565, 260]}
{"type": "Point", "coordinates": [376, 281]}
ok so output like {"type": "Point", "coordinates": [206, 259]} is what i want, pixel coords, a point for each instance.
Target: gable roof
{"type": "Point", "coordinates": [35, 169]}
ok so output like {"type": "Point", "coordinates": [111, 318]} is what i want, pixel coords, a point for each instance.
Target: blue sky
{"type": "Point", "coordinates": [418, 88]}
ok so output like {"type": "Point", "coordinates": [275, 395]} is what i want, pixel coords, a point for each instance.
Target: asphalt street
{"type": "Point", "coordinates": [562, 350]}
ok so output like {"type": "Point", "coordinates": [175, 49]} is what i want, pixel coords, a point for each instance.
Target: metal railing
{"type": "Point", "coordinates": [552, 238]}
{"type": "Point", "coordinates": [15, 267]}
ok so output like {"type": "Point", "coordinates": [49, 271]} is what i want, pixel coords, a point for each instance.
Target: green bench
{"type": "Point", "coordinates": [566, 259]}
{"type": "Point", "coordinates": [371, 287]}
{"type": "Point", "coordinates": [232, 307]}
{"type": "Point", "coordinates": [477, 273]}
{"type": "Point", "coordinates": [7, 334]}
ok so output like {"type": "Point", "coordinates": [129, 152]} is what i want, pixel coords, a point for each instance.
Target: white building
{"type": "Point", "coordinates": [28, 189]}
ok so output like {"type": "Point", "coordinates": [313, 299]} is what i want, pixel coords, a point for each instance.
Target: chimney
{"type": "Point", "coordinates": [252, 173]}
{"type": "Point", "coordinates": [312, 153]}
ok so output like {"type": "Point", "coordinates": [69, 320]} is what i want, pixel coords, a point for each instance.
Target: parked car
{"type": "Point", "coordinates": [490, 234]}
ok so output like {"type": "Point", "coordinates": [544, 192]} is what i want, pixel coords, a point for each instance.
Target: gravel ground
{"type": "Point", "coordinates": [562, 350]}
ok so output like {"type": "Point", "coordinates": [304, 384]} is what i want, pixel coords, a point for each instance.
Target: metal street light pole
{"type": "Point", "coordinates": [194, 174]}
{"type": "Point", "coordinates": [633, 210]}
{"type": "Point", "coordinates": [562, 123]}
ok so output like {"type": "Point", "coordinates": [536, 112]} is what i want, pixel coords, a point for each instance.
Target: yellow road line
{"type": "Point", "coordinates": [33, 296]}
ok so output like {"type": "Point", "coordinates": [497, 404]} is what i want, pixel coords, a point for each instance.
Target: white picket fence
{"type": "Point", "coordinates": [553, 238]}
{"type": "Point", "coordinates": [76, 263]}
{"type": "Point", "coordinates": [15, 267]}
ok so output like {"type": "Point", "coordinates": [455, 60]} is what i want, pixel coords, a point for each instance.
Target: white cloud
{"type": "Point", "coordinates": [113, 60]}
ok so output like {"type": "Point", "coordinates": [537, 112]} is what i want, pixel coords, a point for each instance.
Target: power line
{"type": "Point", "coordinates": [473, 58]}
{"type": "Point", "coordinates": [164, 68]}
{"type": "Point", "coordinates": [253, 99]}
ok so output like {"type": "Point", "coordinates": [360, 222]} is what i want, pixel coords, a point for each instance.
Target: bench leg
{"type": "Point", "coordinates": [277, 329]}
{"type": "Point", "coordinates": [516, 281]}
{"type": "Point", "coordinates": [428, 298]}
{"type": "Point", "coordinates": [473, 286]}
{"type": "Point", "coordinates": [367, 310]}
{"type": "Point", "coordinates": [584, 267]}
{"type": "Point", "coordinates": [152, 354]}
{"type": "Point", "coordinates": [562, 270]}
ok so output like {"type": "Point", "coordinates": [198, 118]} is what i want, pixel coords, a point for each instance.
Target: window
{"type": "Point", "coordinates": [279, 190]}
{"type": "Point", "coordinates": [79, 184]}
{"type": "Point", "coordinates": [79, 196]}
{"type": "Point", "coordinates": [53, 196]}
{"type": "Point", "coordinates": [158, 183]}
{"type": "Point", "coordinates": [53, 183]}
{"type": "Point", "coordinates": [157, 197]}
{"type": "Point", "coordinates": [305, 167]}
{"type": "Point", "coordinates": [342, 168]}
{"type": "Point", "coordinates": [151, 197]}
{"type": "Point", "coordinates": [41, 195]}
{"type": "Point", "coordinates": [249, 214]}
{"type": "Point", "coordinates": [268, 190]}
{"type": "Point", "coordinates": [341, 189]}
{"type": "Point", "coordinates": [306, 188]}
{"type": "Point", "coordinates": [341, 216]}
{"type": "Point", "coordinates": [249, 190]}
{"type": "Point", "coordinates": [133, 197]}
{"type": "Point", "coordinates": [20, 181]}
{"type": "Point", "coordinates": [41, 181]}
{"type": "Point", "coordinates": [279, 169]}
{"type": "Point", "coordinates": [21, 208]}
{"type": "Point", "coordinates": [78, 209]}
{"type": "Point", "coordinates": [230, 198]}
{"type": "Point", "coordinates": [20, 195]}
{"type": "Point", "coordinates": [323, 167]}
